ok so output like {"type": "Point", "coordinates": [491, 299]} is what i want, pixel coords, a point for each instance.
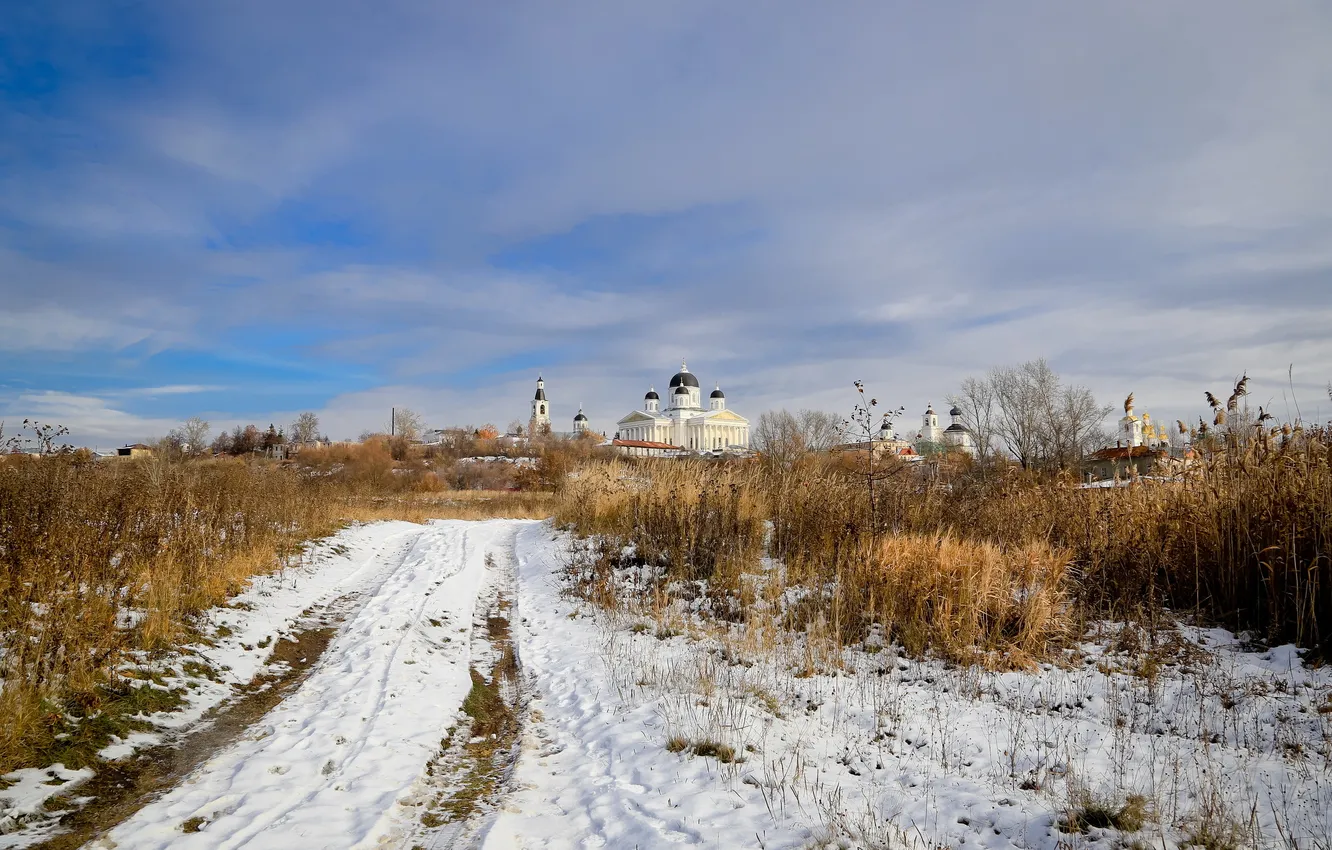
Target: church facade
{"type": "Point", "coordinates": [956, 436]}
{"type": "Point", "coordinates": [683, 421]}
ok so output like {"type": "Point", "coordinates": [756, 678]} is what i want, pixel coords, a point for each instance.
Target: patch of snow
{"type": "Point", "coordinates": [875, 750]}
{"type": "Point", "coordinates": [129, 745]}
{"type": "Point", "coordinates": [23, 815]}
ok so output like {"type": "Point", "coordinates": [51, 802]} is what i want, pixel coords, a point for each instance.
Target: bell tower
{"type": "Point", "coordinates": [540, 421]}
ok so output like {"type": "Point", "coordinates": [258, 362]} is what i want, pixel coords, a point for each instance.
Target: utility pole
{"type": "Point", "coordinates": [393, 416]}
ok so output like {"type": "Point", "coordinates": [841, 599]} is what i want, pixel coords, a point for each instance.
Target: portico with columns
{"type": "Point", "coordinates": [684, 422]}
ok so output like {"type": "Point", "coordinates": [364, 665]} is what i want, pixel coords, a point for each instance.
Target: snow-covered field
{"type": "Point", "coordinates": [658, 728]}
{"type": "Point", "coordinates": [1194, 741]}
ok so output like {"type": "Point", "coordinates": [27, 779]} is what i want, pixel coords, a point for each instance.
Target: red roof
{"type": "Point", "coordinates": [643, 444]}
{"type": "Point", "coordinates": [1126, 452]}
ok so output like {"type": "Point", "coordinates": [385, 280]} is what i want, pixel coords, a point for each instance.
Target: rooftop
{"type": "Point", "coordinates": [1125, 452]}
{"type": "Point", "coordinates": [643, 444]}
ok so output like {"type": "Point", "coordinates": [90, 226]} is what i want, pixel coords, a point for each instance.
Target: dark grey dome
{"type": "Point", "coordinates": [540, 395]}
{"type": "Point", "coordinates": [955, 412]}
{"type": "Point", "coordinates": [954, 429]}
{"type": "Point", "coordinates": [717, 393]}
{"type": "Point", "coordinates": [684, 379]}
{"type": "Point", "coordinates": [680, 390]}
{"type": "Point", "coordinates": [580, 417]}
{"type": "Point", "coordinates": [929, 411]}
{"type": "Point", "coordinates": [651, 394]}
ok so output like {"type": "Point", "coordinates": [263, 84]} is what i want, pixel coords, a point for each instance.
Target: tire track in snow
{"type": "Point", "coordinates": [357, 627]}
{"type": "Point", "coordinates": [466, 782]}
{"type": "Point", "coordinates": [326, 767]}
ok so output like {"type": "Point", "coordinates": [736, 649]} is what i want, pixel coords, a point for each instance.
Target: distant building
{"type": "Point", "coordinates": [958, 436]}
{"type": "Point", "coordinates": [1141, 449]}
{"type": "Point", "coordinates": [136, 450]}
{"type": "Point", "coordinates": [540, 421]}
{"type": "Point", "coordinates": [684, 423]}
{"type": "Point", "coordinates": [1139, 431]}
{"type": "Point", "coordinates": [646, 448]}
{"type": "Point", "coordinates": [883, 442]}
{"type": "Point", "coordinates": [932, 437]}
{"type": "Point", "coordinates": [581, 426]}
{"type": "Point", "coordinates": [1124, 462]}
{"type": "Point", "coordinates": [930, 432]}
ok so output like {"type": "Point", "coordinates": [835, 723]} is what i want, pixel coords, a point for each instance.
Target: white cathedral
{"type": "Point", "coordinates": [684, 422]}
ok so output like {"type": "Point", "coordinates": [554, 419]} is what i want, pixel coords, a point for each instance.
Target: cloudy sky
{"type": "Point", "coordinates": [247, 209]}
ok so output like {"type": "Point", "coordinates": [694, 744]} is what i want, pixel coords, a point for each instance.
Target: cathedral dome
{"type": "Point", "coordinates": [955, 411]}
{"type": "Point", "coordinates": [651, 394]}
{"type": "Point", "coordinates": [717, 393]}
{"type": "Point", "coordinates": [580, 417]}
{"type": "Point", "coordinates": [681, 390]}
{"type": "Point", "coordinates": [684, 378]}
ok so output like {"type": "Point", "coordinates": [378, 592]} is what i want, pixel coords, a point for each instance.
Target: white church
{"type": "Point", "coordinates": [684, 422]}
{"type": "Point", "coordinates": [539, 423]}
{"type": "Point", "coordinates": [956, 436]}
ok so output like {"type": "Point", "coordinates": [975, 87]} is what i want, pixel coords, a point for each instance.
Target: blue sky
{"type": "Point", "coordinates": [243, 210]}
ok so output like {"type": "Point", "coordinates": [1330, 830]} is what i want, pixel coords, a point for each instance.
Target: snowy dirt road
{"type": "Point", "coordinates": [328, 766]}
{"type": "Point", "coordinates": [641, 729]}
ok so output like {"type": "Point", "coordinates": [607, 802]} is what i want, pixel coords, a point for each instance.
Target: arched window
{"type": "Point", "coordinates": [543, 408]}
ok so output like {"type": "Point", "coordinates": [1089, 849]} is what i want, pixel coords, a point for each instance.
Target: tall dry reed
{"type": "Point", "coordinates": [961, 599]}
{"type": "Point", "coordinates": [1242, 538]}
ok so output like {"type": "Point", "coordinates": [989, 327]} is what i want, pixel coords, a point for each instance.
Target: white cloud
{"type": "Point", "coordinates": [930, 191]}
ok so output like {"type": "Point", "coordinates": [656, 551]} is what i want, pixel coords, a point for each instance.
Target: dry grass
{"type": "Point", "coordinates": [100, 562]}
{"type": "Point", "coordinates": [959, 598]}
{"type": "Point", "coordinates": [89, 549]}
{"type": "Point", "coordinates": [455, 504]}
{"type": "Point", "coordinates": [1244, 539]}
{"type": "Point", "coordinates": [995, 567]}
{"type": "Point", "coordinates": [966, 600]}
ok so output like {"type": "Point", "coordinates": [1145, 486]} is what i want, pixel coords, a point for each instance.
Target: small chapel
{"type": "Point", "coordinates": [683, 421]}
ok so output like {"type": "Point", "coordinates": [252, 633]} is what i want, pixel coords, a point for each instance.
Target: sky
{"type": "Point", "coordinates": [242, 210]}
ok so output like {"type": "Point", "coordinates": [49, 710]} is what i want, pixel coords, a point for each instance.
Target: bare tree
{"type": "Point", "coordinates": [190, 439]}
{"type": "Point", "coordinates": [820, 429]}
{"type": "Point", "coordinates": [978, 402]}
{"type": "Point", "coordinates": [783, 436]}
{"type": "Point", "coordinates": [1072, 426]}
{"type": "Point", "coordinates": [777, 436]}
{"type": "Point", "coordinates": [515, 428]}
{"type": "Point", "coordinates": [1033, 414]}
{"type": "Point", "coordinates": [196, 431]}
{"type": "Point", "coordinates": [305, 429]}
{"type": "Point", "coordinates": [407, 423]}
{"type": "Point", "coordinates": [1021, 394]}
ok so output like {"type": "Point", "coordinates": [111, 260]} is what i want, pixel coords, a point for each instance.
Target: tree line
{"type": "Point", "coordinates": [1026, 412]}
{"type": "Point", "coordinates": [191, 439]}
